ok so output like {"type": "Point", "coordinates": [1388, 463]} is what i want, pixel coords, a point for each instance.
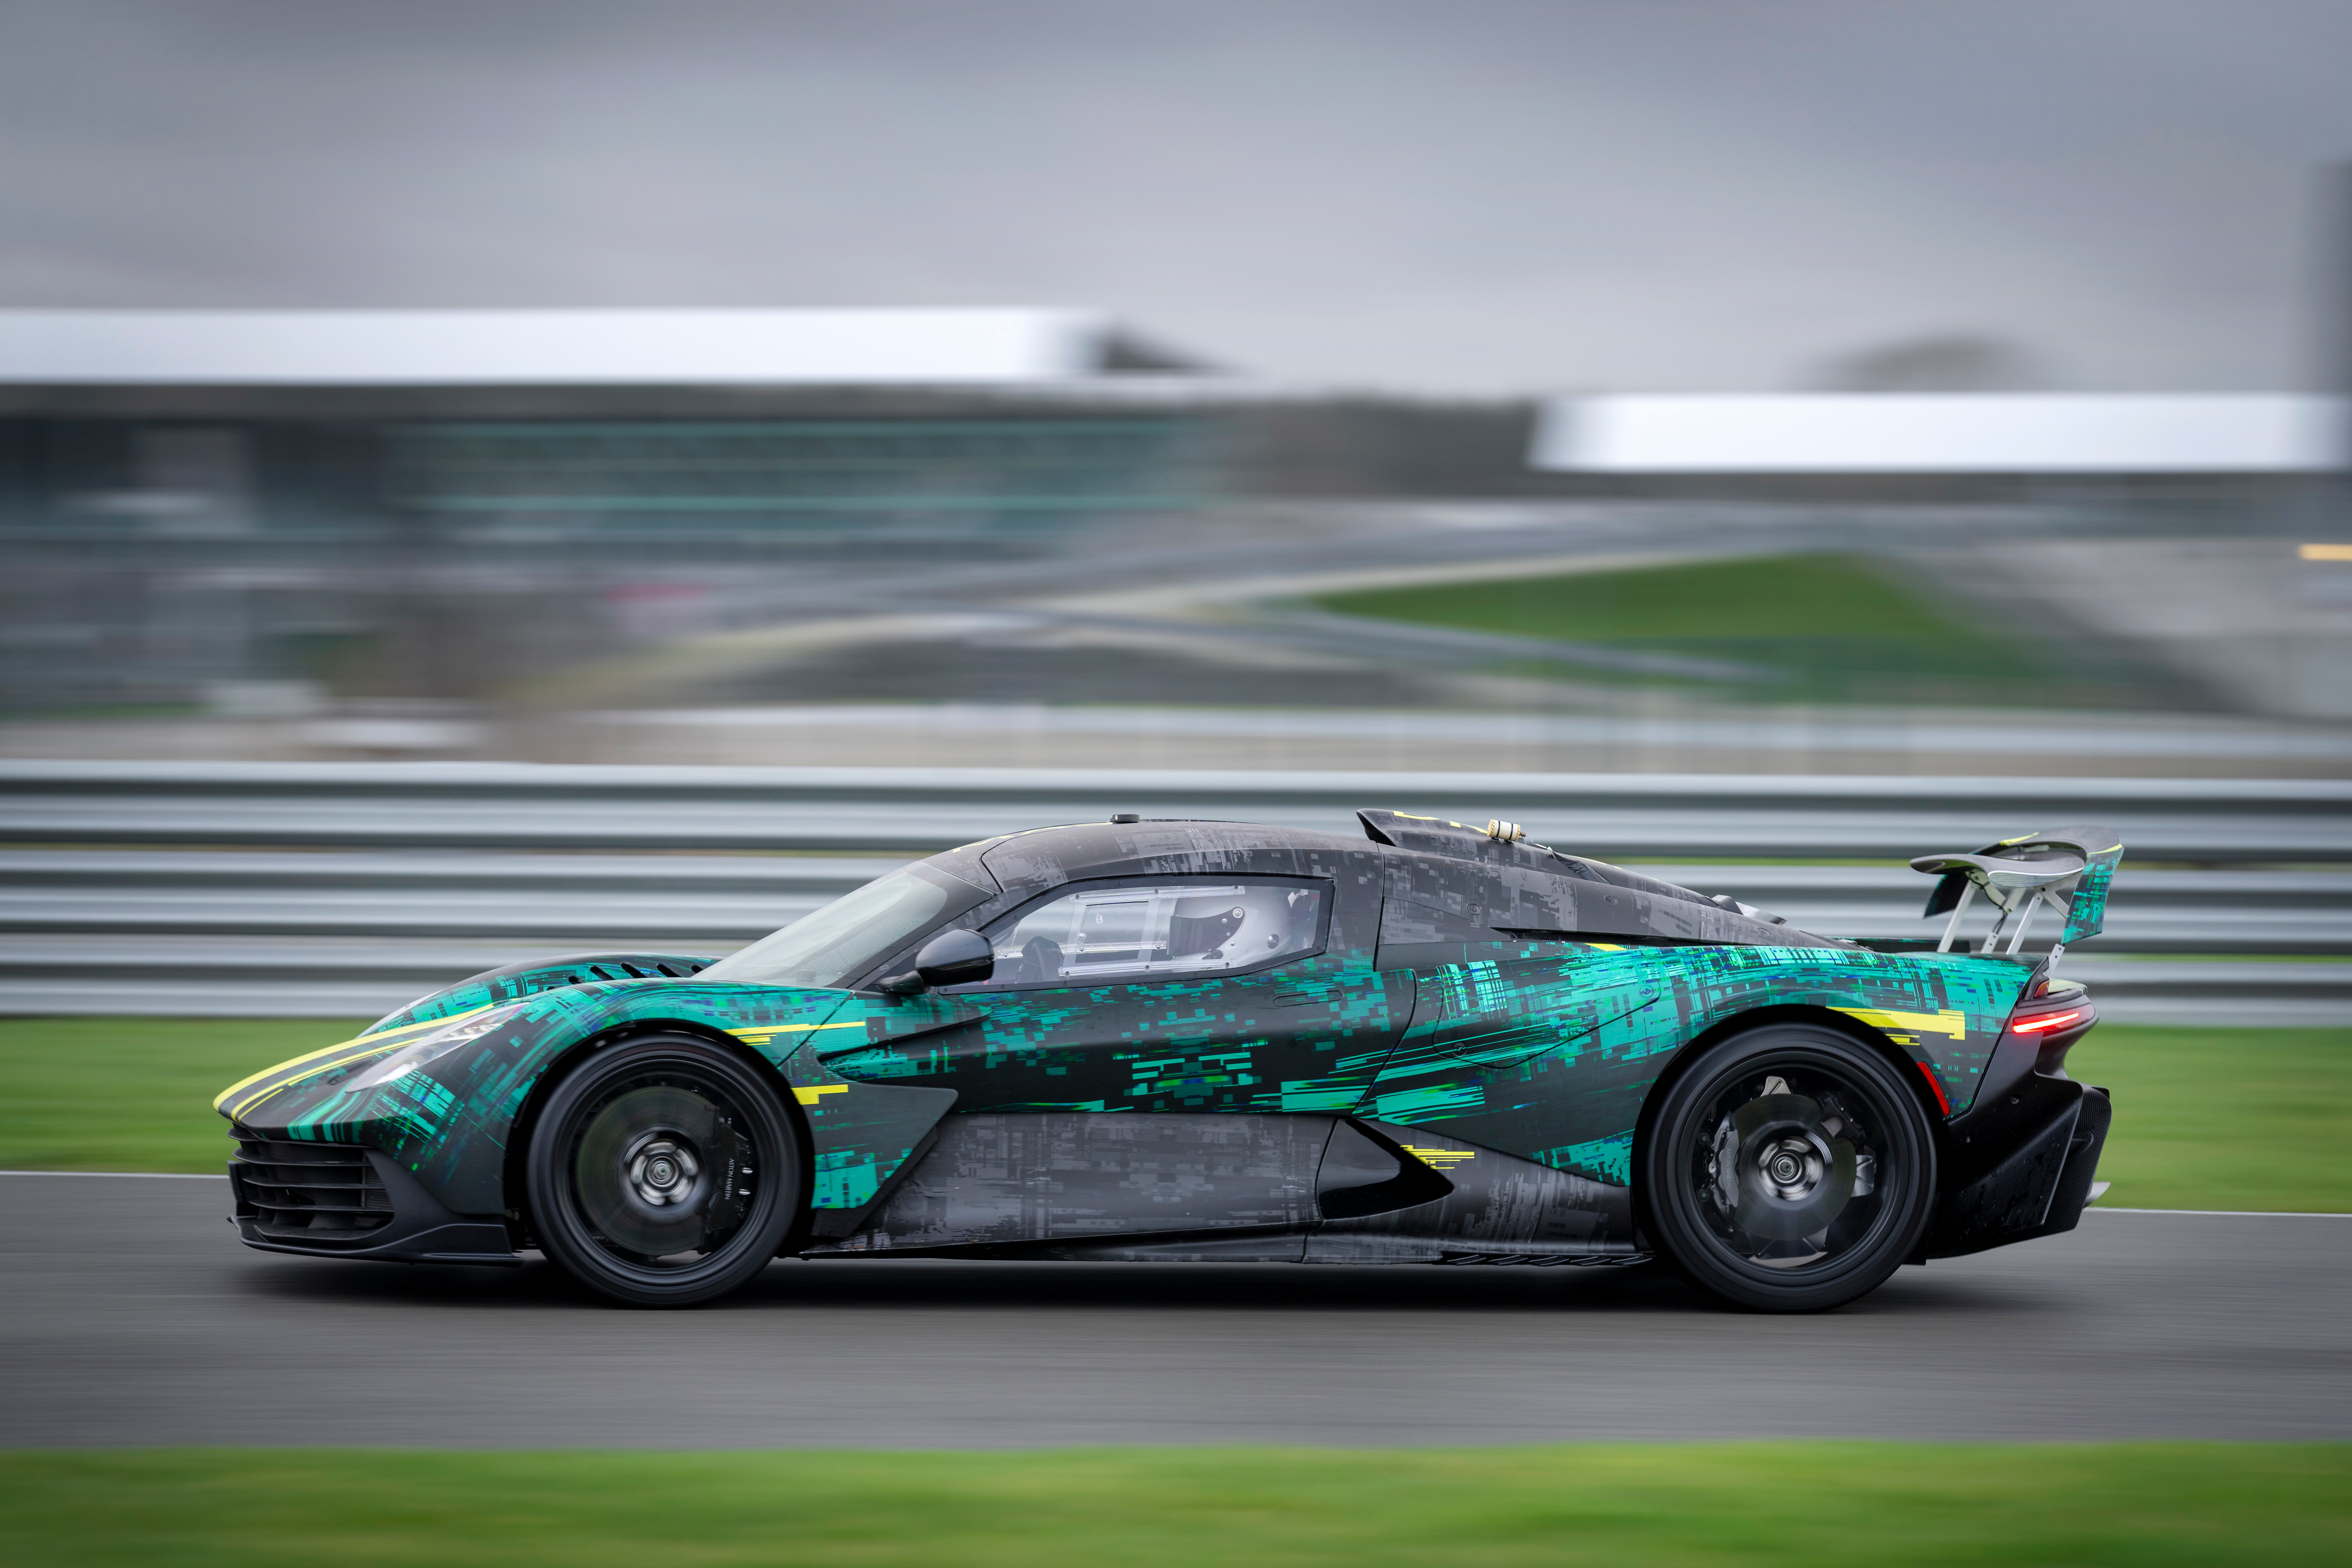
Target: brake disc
{"type": "Point", "coordinates": [1791, 1176]}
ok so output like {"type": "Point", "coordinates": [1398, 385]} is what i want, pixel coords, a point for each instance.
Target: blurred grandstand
{"type": "Point", "coordinates": [759, 535]}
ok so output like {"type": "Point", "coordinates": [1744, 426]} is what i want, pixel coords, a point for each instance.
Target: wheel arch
{"type": "Point", "coordinates": [1907, 1067]}
{"type": "Point", "coordinates": [526, 1122]}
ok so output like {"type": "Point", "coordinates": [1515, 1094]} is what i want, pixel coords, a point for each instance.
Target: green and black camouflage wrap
{"type": "Point", "coordinates": [1471, 997]}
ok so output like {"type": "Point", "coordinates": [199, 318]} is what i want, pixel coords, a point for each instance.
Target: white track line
{"type": "Point", "coordinates": [150, 1175]}
{"type": "Point", "coordinates": [2255, 1213]}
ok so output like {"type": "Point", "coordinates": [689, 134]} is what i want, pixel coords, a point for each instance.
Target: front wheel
{"type": "Point", "coordinates": [664, 1171]}
{"type": "Point", "coordinates": [1791, 1169]}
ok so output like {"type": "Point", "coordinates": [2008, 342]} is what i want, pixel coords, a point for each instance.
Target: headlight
{"type": "Point", "coordinates": [432, 1046]}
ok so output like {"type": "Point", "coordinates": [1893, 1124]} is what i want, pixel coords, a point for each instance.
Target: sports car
{"type": "Point", "coordinates": [1206, 1041]}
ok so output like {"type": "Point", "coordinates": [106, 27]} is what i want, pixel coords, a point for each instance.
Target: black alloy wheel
{"type": "Point", "coordinates": [1791, 1169]}
{"type": "Point", "coordinates": [664, 1171]}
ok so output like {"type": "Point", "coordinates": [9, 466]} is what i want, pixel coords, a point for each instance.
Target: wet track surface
{"type": "Point", "coordinates": [130, 1314]}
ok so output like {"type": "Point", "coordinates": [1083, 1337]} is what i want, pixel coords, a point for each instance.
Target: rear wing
{"type": "Point", "coordinates": [2067, 868]}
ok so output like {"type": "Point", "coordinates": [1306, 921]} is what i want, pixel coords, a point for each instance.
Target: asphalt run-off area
{"type": "Point", "coordinates": [130, 1314]}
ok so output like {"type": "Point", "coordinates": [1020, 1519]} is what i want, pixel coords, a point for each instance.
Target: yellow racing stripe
{"type": "Point", "coordinates": [388, 1039]}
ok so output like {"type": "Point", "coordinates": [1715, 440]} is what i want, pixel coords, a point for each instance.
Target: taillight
{"type": "Point", "coordinates": [2055, 1018]}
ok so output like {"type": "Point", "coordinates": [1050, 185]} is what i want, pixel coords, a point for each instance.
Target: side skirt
{"type": "Point", "coordinates": [1086, 1187]}
{"type": "Point", "coordinates": [1270, 1245]}
{"type": "Point", "coordinates": [1502, 1210]}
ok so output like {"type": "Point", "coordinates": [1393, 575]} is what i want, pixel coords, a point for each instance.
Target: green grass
{"type": "Point", "coordinates": [1824, 628]}
{"type": "Point", "coordinates": [1820, 1505]}
{"type": "Point", "coordinates": [2224, 1118]}
{"type": "Point", "coordinates": [134, 1094]}
{"type": "Point", "coordinates": [2253, 1119]}
{"type": "Point", "coordinates": [1746, 597]}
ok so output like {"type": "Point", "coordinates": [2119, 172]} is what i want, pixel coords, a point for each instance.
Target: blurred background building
{"type": "Point", "coordinates": [254, 509]}
{"type": "Point", "coordinates": [565, 533]}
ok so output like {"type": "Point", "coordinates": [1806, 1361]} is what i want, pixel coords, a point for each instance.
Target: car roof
{"type": "Point", "coordinates": [1048, 857]}
{"type": "Point", "coordinates": [1417, 859]}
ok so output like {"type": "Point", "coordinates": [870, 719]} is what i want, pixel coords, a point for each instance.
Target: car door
{"type": "Point", "coordinates": [1202, 994]}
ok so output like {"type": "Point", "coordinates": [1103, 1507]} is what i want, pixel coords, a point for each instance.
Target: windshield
{"type": "Point", "coordinates": [850, 935]}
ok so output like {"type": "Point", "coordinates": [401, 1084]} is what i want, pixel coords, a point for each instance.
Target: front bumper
{"type": "Point", "coordinates": [341, 1200]}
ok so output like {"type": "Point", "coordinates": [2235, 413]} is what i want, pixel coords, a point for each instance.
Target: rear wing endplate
{"type": "Point", "coordinates": [2067, 868]}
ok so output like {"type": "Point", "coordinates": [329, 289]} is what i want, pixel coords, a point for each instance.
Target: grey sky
{"type": "Point", "coordinates": [1469, 195]}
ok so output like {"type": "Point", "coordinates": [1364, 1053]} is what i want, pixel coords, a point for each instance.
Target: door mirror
{"type": "Point", "coordinates": [956, 958]}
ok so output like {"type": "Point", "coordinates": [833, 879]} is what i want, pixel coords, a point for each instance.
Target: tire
{"type": "Point", "coordinates": [1791, 1169]}
{"type": "Point", "coordinates": [664, 1171]}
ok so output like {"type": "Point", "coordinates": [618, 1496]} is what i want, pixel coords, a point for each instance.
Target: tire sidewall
{"type": "Point", "coordinates": [1670, 1208]}
{"type": "Point", "coordinates": [562, 1230]}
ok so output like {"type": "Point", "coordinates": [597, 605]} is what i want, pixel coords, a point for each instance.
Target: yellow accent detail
{"type": "Point", "coordinates": [2326, 552]}
{"type": "Point", "coordinates": [770, 1031]}
{"type": "Point", "coordinates": [387, 1039]}
{"type": "Point", "coordinates": [1607, 946]}
{"type": "Point", "coordinates": [1442, 1159]}
{"type": "Point", "coordinates": [809, 1095]}
{"type": "Point", "coordinates": [1951, 1021]}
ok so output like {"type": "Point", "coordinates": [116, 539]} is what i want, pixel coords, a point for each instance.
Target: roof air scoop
{"type": "Point", "coordinates": [1439, 835]}
{"type": "Point", "coordinates": [1508, 842]}
{"type": "Point", "coordinates": [1725, 902]}
{"type": "Point", "coordinates": [2067, 868]}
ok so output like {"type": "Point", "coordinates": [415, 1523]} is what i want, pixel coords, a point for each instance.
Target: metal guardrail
{"type": "Point", "coordinates": [348, 889]}
{"type": "Point", "coordinates": [466, 811]}
{"type": "Point", "coordinates": [914, 811]}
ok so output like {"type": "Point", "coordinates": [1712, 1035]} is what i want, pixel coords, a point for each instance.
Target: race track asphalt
{"type": "Point", "coordinates": [129, 1314]}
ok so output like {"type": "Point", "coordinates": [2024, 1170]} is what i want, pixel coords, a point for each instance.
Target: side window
{"type": "Point", "coordinates": [1135, 931]}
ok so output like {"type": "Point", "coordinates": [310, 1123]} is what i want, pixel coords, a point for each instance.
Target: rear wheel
{"type": "Point", "coordinates": [664, 1171]}
{"type": "Point", "coordinates": [1791, 1169]}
